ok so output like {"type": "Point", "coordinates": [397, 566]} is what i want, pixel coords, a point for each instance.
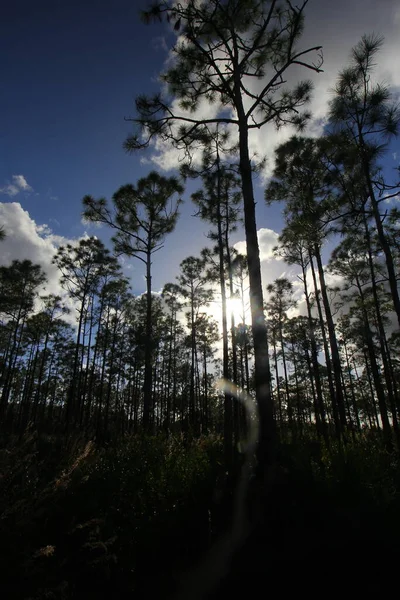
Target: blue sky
{"type": "Point", "coordinates": [70, 73]}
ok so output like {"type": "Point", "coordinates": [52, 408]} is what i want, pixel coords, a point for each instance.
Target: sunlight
{"type": "Point", "coordinates": [234, 307]}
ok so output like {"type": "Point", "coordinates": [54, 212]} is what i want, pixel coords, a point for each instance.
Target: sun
{"type": "Point", "coordinates": [234, 308]}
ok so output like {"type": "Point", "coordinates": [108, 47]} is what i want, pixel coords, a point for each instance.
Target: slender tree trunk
{"type": "Point", "coordinates": [236, 405]}
{"type": "Point", "coordinates": [42, 363]}
{"type": "Point", "coordinates": [15, 344]}
{"type": "Point", "coordinates": [197, 391]}
{"type": "Point", "coordinates": [148, 351]}
{"type": "Point", "coordinates": [110, 377]}
{"type": "Point", "coordinates": [326, 352]}
{"type": "Point", "coordinates": [103, 370]}
{"type": "Point", "coordinates": [33, 399]}
{"type": "Point", "coordinates": [337, 369]}
{"type": "Point", "coordinates": [73, 388]}
{"type": "Point", "coordinates": [191, 419]}
{"type": "Point", "coordinates": [205, 431]}
{"type": "Point", "coordinates": [347, 406]}
{"type": "Point", "coordinates": [119, 406]}
{"type": "Point", "coordinates": [94, 361]}
{"type": "Point", "coordinates": [288, 400]}
{"type": "Point", "coordinates": [296, 379]}
{"type": "Point", "coordinates": [374, 367]}
{"type": "Point", "coordinates": [371, 388]}
{"type": "Point", "coordinates": [314, 357]}
{"type": "Point", "coordinates": [85, 381]}
{"type": "Point", "coordinates": [278, 387]}
{"type": "Point", "coordinates": [364, 399]}
{"type": "Point", "coordinates": [259, 329]}
{"type": "Point", "coordinates": [228, 412]}
{"type": "Point", "coordinates": [171, 348]}
{"type": "Point", "coordinates": [47, 387]}
{"type": "Point", "coordinates": [314, 397]}
{"type": "Point", "coordinates": [174, 384]}
{"type": "Point", "coordinates": [351, 384]}
{"type": "Point", "coordinates": [25, 404]}
{"type": "Point", "coordinates": [381, 332]}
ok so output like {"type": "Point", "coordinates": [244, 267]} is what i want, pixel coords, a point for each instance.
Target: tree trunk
{"type": "Point", "coordinates": [278, 387]}
{"type": "Point", "coordinates": [326, 352]}
{"type": "Point", "coordinates": [205, 419]}
{"type": "Point", "coordinates": [236, 405]}
{"type": "Point", "coordinates": [259, 329]}
{"type": "Point", "coordinates": [374, 368]}
{"type": "Point", "coordinates": [148, 351]}
{"type": "Point", "coordinates": [314, 358]}
{"type": "Point", "coordinates": [228, 430]}
{"type": "Point", "coordinates": [288, 400]}
{"type": "Point", "coordinates": [72, 393]}
{"type": "Point", "coordinates": [381, 333]}
{"type": "Point", "coordinates": [337, 369]}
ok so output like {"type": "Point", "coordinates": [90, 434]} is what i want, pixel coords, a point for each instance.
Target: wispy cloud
{"type": "Point", "coordinates": [18, 184]}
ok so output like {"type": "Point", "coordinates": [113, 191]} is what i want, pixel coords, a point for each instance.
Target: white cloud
{"type": "Point", "coordinates": [338, 26]}
{"type": "Point", "coordinates": [25, 239]}
{"type": "Point", "coordinates": [22, 183]}
{"type": "Point", "coordinates": [267, 240]}
{"type": "Point", "coordinates": [17, 185]}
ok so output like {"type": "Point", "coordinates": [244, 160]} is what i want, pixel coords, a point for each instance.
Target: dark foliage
{"type": "Point", "coordinates": [84, 521]}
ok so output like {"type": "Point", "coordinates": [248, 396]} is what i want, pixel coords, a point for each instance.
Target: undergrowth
{"type": "Point", "coordinates": [83, 521]}
{"type": "Point", "coordinates": [80, 520]}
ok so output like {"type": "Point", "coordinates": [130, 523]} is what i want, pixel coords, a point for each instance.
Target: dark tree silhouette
{"type": "Point", "coordinates": [223, 47]}
{"type": "Point", "coordinates": [142, 216]}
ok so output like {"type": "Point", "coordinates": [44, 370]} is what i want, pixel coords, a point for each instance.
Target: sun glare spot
{"type": "Point", "coordinates": [234, 307]}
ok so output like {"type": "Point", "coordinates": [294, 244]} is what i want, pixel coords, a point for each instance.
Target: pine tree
{"type": "Point", "coordinates": [19, 284]}
{"type": "Point", "coordinates": [366, 113]}
{"type": "Point", "coordinates": [141, 216]}
{"type": "Point", "coordinates": [222, 48]}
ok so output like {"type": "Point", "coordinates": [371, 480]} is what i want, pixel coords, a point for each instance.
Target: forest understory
{"type": "Point", "coordinates": [133, 518]}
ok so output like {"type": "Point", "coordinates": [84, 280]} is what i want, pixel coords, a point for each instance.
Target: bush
{"type": "Point", "coordinates": [91, 522]}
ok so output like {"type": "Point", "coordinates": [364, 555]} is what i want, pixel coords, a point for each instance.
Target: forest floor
{"type": "Point", "coordinates": [130, 519]}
